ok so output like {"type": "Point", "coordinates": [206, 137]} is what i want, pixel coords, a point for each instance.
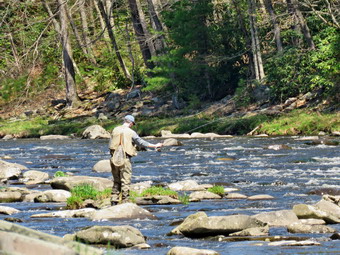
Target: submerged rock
{"type": "Point", "coordinates": [8, 210]}
{"type": "Point", "coordinates": [260, 197]}
{"type": "Point", "coordinates": [178, 250]}
{"type": "Point", "coordinates": [302, 228]}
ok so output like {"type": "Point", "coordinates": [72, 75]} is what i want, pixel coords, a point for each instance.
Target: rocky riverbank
{"type": "Point", "coordinates": [302, 218]}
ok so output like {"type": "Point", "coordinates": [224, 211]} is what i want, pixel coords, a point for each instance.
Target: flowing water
{"type": "Point", "coordinates": [245, 163]}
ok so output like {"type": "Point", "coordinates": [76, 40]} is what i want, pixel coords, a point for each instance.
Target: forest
{"type": "Point", "coordinates": [190, 51]}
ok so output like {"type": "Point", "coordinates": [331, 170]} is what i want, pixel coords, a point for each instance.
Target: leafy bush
{"type": "Point", "coordinates": [59, 174]}
{"type": "Point", "coordinates": [160, 191]}
{"type": "Point", "coordinates": [219, 190]}
{"type": "Point", "coordinates": [85, 191]}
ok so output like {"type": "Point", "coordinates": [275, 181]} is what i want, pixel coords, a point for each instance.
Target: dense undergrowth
{"type": "Point", "coordinates": [298, 122]}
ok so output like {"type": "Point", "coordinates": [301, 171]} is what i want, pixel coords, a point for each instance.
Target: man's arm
{"type": "Point", "coordinates": [142, 143]}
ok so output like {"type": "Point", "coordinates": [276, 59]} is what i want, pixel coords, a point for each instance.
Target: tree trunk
{"type": "Point", "coordinates": [113, 40]}
{"type": "Point", "coordinates": [159, 41]}
{"type": "Point", "coordinates": [85, 31]}
{"type": "Point", "coordinates": [255, 42]}
{"type": "Point", "coordinates": [140, 32]}
{"type": "Point", "coordinates": [272, 14]}
{"type": "Point", "coordinates": [299, 23]}
{"type": "Point", "coordinates": [303, 25]}
{"type": "Point", "coordinates": [71, 89]}
{"type": "Point", "coordinates": [245, 32]}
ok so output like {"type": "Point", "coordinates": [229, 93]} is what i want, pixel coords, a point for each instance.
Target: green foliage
{"type": "Point", "coordinates": [185, 199]}
{"type": "Point", "coordinates": [219, 190]}
{"type": "Point", "coordinates": [297, 71]}
{"type": "Point", "coordinates": [158, 191]}
{"type": "Point", "coordinates": [59, 174]}
{"type": "Point", "coordinates": [195, 61]}
{"type": "Point", "coordinates": [302, 122]}
{"type": "Point", "coordinates": [85, 191]}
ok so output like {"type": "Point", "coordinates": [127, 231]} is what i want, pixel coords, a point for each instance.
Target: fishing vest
{"type": "Point", "coordinates": [126, 134]}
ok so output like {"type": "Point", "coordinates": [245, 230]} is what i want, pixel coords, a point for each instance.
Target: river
{"type": "Point", "coordinates": [289, 175]}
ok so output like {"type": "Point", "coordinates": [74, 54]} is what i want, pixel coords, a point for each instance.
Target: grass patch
{"type": "Point", "coordinates": [219, 190]}
{"type": "Point", "coordinates": [300, 122]}
{"type": "Point", "coordinates": [85, 191]}
{"type": "Point", "coordinates": [59, 174]}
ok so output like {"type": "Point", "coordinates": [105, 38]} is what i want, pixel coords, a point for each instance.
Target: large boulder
{"type": "Point", "coordinates": [122, 211]}
{"type": "Point", "coordinates": [95, 132]}
{"type": "Point", "coordinates": [10, 170]}
{"type": "Point", "coordinates": [172, 142]}
{"type": "Point", "coordinates": [53, 196]}
{"type": "Point", "coordinates": [277, 218]}
{"type": "Point", "coordinates": [200, 225]}
{"type": "Point", "coordinates": [178, 250]}
{"type": "Point", "coordinates": [304, 211]}
{"type": "Point", "coordinates": [16, 239]}
{"type": "Point", "coordinates": [117, 236]}
{"type": "Point", "coordinates": [331, 209]}
{"type": "Point", "coordinates": [34, 177]}
{"type": "Point", "coordinates": [67, 183]}
{"type": "Point", "coordinates": [102, 166]}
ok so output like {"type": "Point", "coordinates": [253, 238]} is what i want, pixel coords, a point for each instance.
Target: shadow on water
{"type": "Point", "coordinates": [291, 176]}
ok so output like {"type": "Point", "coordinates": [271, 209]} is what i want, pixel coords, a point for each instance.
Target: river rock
{"type": "Point", "coordinates": [260, 197]}
{"type": "Point", "coordinates": [54, 137]}
{"type": "Point", "coordinates": [294, 243]}
{"type": "Point", "coordinates": [188, 185]}
{"type": "Point", "coordinates": [80, 213]}
{"type": "Point", "coordinates": [117, 236]}
{"type": "Point", "coordinates": [261, 231]}
{"type": "Point", "coordinates": [172, 142]}
{"type": "Point", "coordinates": [8, 210]}
{"type": "Point", "coordinates": [10, 170]}
{"type": "Point", "coordinates": [95, 132]}
{"type": "Point", "coordinates": [277, 218]}
{"type": "Point", "coordinates": [235, 196]}
{"type": "Point", "coordinates": [16, 239]}
{"type": "Point", "coordinates": [200, 225]}
{"type": "Point", "coordinates": [102, 166]}
{"type": "Point", "coordinates": [156, 200]}
{"type": "Point", "coordinates": [31, 196]}
{"type": "Point", "coordinates": [304, 211]}
{"type": "Point", "coordinates": [34, 177]}
{"type": "Point", "coordinates": [331, 209]}
{"type": "Point", "coordinates": [277, 147]}
{"type": "Point", "coordinates": [122, 211]}
{"type": "Point", "coordinates": [8, 196]}
{"type": "Point", "coordinates": [178, 250]}
{"type": "Point", "coordinates": [298, 227]}
{"type": "Point", "coordinates": [333, 199]}
{"type": "Point", "coordinates": [312, 221]}
{"type": "Point", "coordinates": [169, 134]}
{"type": "Point", "coordinates": [200, 195]}
{"type": "Point", "coordinates": [140, 186]}
{"type": "Point", "coordinates": [53, 196]}
{"type": "Point", "coordinates": [67, 183]}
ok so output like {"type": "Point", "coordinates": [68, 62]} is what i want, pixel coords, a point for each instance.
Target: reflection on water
{"type": "Point", "coordinates": [289, 175]}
